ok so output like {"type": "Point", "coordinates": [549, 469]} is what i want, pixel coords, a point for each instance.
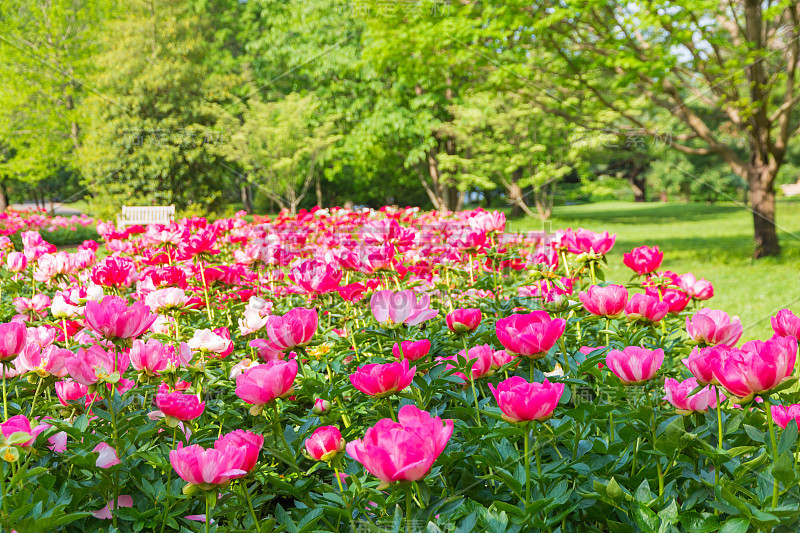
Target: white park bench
{"type": "Point", "coordinates": [142, 215]}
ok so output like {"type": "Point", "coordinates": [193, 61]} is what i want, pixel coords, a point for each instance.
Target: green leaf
{"type": "Point", "coordinates": [783, 469]}
{"type": "Point", "coordinates": [645, 518]}
{"type": "Point", "coordinates": [788, 438]}
{"type": "Point", "coordinates": [736, 525]}
{"type": "Point", "coordinates": [755, 434]}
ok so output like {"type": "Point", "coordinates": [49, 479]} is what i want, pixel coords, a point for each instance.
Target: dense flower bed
{"type": "Point", "coordinates": [14, 221]}
{"type": "Point", "coordinates": [383, 371]}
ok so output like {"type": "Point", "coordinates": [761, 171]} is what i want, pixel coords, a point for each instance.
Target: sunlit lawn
{"type": "Point", "coordinates": [712, 241]}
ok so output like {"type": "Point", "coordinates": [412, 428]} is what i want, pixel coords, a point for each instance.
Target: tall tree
{"type": "Point", "coordinates": [704, 62]}
{"type": "Point", "coordinates": [46, 51]}
{"type": "Point", "coordinates": [151, 138]}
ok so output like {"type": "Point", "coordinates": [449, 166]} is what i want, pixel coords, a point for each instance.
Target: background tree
{"type": "Point", "coordinates": [281, 146]}
{"type": "Point", "coordinates": [151, 138]}
{"type": "Point", "coordinates": [704, 62]}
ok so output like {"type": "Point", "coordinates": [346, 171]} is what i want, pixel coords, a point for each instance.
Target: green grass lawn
{"type": "Point", "coordinates": [714, 242]}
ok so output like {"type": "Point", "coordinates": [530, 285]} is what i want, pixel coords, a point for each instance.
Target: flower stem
{"type": "Point", "coordinates": [408, 510]}
{"type": "Point", "coordinates": [526, 429]}
{"type": "Point", "coordinates": [564, 351]}
{"type": "Point", "coordinates": [768, 409]}
{"type": "Point", "coordinates": [116, 448]}
{"type": "Point", "coordinates": [169, 483]}
{"type": "Point", "coordinates": [475, 396]}
{"type": "Point", "coordinates": [719, 437]}
{"type": "Point", "coordinates": [209, 311]}
{"type": "Point", "coordinates": [208, 513]}
{"type": "Point", "coordinates": [5, 398]}
{"type": "Point", "coordinates": [338, 478]}
{"type": "Point", "coordinates": [36, 395]}
{"type": "Point", "coordinates": [249, 504]}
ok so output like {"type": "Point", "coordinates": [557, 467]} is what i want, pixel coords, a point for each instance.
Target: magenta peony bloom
{"type": "Point", "coordinates": [21, 425]}
{"type": "Point", "coordinates": [758, 367]}
{"type": "Point", "coordinates": [786, 324]}
{"type": "Point", "coordinates": [316, 277]}
{"type": "Point", "coordinates": [321, 406]}
{"type": "Point", "coordinates": [112, 318]}
{"type": "Point", "coordinates": [500, 358]}
{"type": "Point", "coordinates": [643, 259]}
{"type": "Point", "coordinates": [697, 289]}
{"type": "Point", "coordinates": [782, 415]}
{"type": "Point", "coordinates": [606, 301]}
{"type": "Point", "coordinates": [16, 262]}
{"type": "Point", "coordinates": [702, 361]}
{"type": "Point", "coordinates": [521, 401]}
{"type": "Point", "coordinates": [48, 361]}
{"type": "Point", "coordinates": [295, 328]}
{"type": "Point", "coordinates": [404, 450]}
{"type": "Point", "coordinates": [12, 340]}
{"type": "Point", "coordinates": [412, 350]}
{"type": "Point", "coordinates": [207, 468]}
{"type": "Point", "coordinates": [179, 406]}
{"type": "Point", "coordinates": [464, 320]}
{"type": "Point", "coordinates": [261, 384]}
{"type": "Point", "coordinates": [531, 334]}
{"type": "Point", "coordinates": [383, 379]}
{"type": "Point", "coordinates": [150, 357]}
{"type": "Point", "coordinates": [96, 364]}
{"type": "Point", "coordinates": [646, 307]}
{"type": "Point", "coordinates": [709, 326]}
{"type": "Point", "coordinates": [634, 365]}
{"type": "Point", "coordinates": [248, 440]}
{"type": "Point", "coordinates": [676, 300]}
{"type": "Point", "coordinates": [677, 393]}
{"type": "Point", "coordinates": [392, 309]}
{"type": "Point", "coordinates": [480, 358]}
{"type": "Point", "coordinates": [584, 241]}
{"type": "Point", "coordinates": [325, 443]}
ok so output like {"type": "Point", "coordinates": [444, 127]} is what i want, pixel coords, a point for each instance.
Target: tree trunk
{"type": "Point", "coordinates": [318, 187]}
{"type": "Point", "coordinates": [515, 195]}
{"type": "Point", "coordinates": [3, 197]}
{"type": "Point", "coordinates": [762, 200]}
{"type": "Point", "coordinates": [638, 185]}
{"type": "Point", "coordinates": [247, 202]}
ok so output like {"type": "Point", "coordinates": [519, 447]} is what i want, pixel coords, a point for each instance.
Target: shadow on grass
{"type": "Point", "coordinates": [646, 213]}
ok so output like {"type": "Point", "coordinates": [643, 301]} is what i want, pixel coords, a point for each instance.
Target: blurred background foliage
{"type": "Point", "coordinates": [217, 105]}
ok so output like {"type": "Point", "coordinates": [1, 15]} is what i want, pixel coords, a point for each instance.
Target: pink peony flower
{"type": "Point", "coordinates": [179, 406]}
{"type": "Point", "coordinates": [251, 443]}
{"type": "Point", "coordinates": [391, 309]}
{"type": "Point", "coordinates": [383, 379]}
{"type": "Point", "coordinates": [13, 336]}
{"type": "Point", "coordinates": [262, 384]}
{"type": "Point", "coordinates": [404, 450]}
{"type": "Point", "coordinates": [208, 468]}
{"type": "Point", "coordinates": [646, 307]}
{"type": "Point", "coordinates": [295, 328]}
{"type": "Point", "coordinates": [412, 350]}
{"type": "Point", "coordinates": [643, 259]}
{"type": "Point", "coordinates": [634, 365]}
{"type": "Point", "coordinates": [325, 443]}
{"type": "Point", "coordinates": [20, 425]}
{"type": "Point", "coordinates": [782, 415]}
{"type": "Point", "coordinates": [758, 367]}
{"type": "Point", "coordinates": [709, 326]}
{"type": "Point", "coordinates": [677, 393]}
{"type": "Point", "coordinates": [786, 324]}
{"type": "Point", "coordinates": [606, 301]}
{"type": "Point", "coordinates": [112, 318]}
{"type": "Point", "coordinates": [521, 401]}
{"type": "Point", "coordinates": [464, 320]}
{"type": "Point", "coordinates": [531, 334]}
